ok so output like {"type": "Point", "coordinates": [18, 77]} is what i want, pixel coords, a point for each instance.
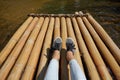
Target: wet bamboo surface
{"type": "Point", "coordinates": [27, 54]}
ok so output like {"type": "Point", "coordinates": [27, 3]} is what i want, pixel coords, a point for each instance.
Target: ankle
{"type": "Point", "coordinates": [69, 55]}
{"type": "Point", "coordinates": [56, 55]}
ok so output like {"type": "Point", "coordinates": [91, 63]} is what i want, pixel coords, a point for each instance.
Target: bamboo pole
{"type": "Point", "coordinates": [105, 37]}
{"type": "Point", "coordinates": [56, 15]}
{"type": "Point", "coordinates": [44, 54]}
{"type": "Point", "coordinates": [63, 32]}
{"type": "Point", "coordinates": [5, 69]}
{"type": "Point", "coordinates": [77, 54]}
{"type": "Point", "coordinates": [104, 51]}
{"type": "Point", "coordinates": [34, 57]}
{"type": "Point", "coordinates": [64, 66]}
{"type": "Point", "coordinates": [92, 71]}
{"type": "Point", "coordinates": [8, 48]}
{"type": "Point", "coordinates": [23, 58]}
{"type": "Point", "coordinates": [94, 51]}
{"type": "Point", "coordinates": [57, 27]}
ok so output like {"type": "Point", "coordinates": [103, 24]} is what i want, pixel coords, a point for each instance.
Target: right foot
{"type": "Point", "coordinates": [70, 45]}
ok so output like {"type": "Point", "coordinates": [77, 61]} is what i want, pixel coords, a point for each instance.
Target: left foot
{"type": "Point", "coordinates": [57, 44]}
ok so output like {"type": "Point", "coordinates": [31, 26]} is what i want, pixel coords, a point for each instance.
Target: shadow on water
{"type": "Point", "coordinates": [14, 12]}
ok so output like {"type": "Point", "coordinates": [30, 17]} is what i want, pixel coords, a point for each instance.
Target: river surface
{"type": "Point", "coordinates": [14, 12]}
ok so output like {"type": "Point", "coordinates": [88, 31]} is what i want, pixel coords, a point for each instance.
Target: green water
{"type": "Point", "coordinates": [14, 12]}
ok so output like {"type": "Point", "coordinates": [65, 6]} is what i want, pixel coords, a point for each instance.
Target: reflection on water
{"type": "Point", "coordinates": [14, 12]}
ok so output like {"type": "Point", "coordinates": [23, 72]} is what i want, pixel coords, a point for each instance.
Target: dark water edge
{"type": "Point", "coordinates": [14, 12]}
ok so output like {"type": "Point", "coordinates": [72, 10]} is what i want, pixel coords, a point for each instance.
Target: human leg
{"type": "Point", "coordinates": [76, 72]}
{"type": "Point", "coordinates": [52, 71]}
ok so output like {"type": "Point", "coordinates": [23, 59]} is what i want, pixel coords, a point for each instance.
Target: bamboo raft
{"type": "Point", "coordinates": [26, 56]}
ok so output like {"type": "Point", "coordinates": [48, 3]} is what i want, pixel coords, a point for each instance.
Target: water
{"type": "Point", "coordinates": [14, 12]}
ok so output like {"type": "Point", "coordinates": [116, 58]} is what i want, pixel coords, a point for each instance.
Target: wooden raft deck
{"type": "Point", "coordinates": [27, 54]}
